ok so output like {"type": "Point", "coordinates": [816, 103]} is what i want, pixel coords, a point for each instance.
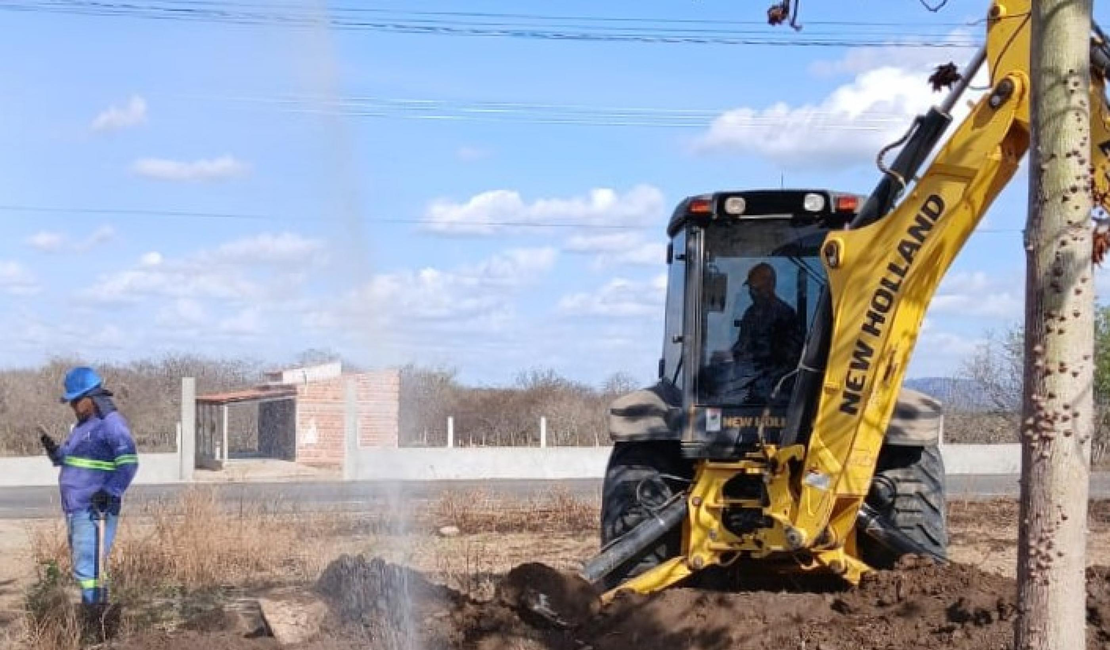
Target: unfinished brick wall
{"type": "Point", "coordinates": [321, 415]}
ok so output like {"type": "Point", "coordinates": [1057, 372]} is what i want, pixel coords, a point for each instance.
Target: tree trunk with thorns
{"type": "Point", "coordinates": [1058, 408]}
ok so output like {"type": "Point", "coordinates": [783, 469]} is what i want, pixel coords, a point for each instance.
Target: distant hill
{"type": "Point", "coordinates": [964, 394]}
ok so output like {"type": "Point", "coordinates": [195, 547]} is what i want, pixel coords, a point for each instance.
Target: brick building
{"type": "Point", "coordinates": [320, 415]}
{"type": "Point", "coordinates": [302, 415]}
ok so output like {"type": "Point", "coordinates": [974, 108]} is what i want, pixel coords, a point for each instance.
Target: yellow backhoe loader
{"type": "Point", "coordinates": [779, 437]}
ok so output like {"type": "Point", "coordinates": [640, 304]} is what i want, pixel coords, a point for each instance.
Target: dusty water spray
{"type": "Point", "coordinates": [387, 602]}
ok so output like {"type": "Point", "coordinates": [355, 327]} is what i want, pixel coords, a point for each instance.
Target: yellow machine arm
{"type": "Point", "coordinates": [882, 277]}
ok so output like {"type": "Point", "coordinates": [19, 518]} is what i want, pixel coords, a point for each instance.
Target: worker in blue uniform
{"type": "Point", "coordinates": [98, 461]}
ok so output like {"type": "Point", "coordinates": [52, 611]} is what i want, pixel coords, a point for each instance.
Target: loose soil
{"type": "Point", "coordinates": [464, 595]}
{"type": "Point", "coordinates": [918, 605]}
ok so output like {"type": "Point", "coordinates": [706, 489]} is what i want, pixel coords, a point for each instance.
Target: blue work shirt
{"type": "Point", "coordinates": [98, 454]}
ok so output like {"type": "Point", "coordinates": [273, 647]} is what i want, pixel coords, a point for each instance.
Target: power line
{"type": "Point", "coordinates": [182, 12]}
{"type": "Point", "coordinates": [446, 226]}
{"type": "Point", "coordinates": [581, 18]}
{"type": "Point", "coordinates": [240, 216]}
{"type": "Point", "coordinates": [541, 113]}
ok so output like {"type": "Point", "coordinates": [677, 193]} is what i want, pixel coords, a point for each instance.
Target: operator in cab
{"type": "Point", "coordinates": [769, 343]}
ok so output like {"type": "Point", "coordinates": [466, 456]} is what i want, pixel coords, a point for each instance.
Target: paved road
{"type": "Point", "coordinates": [38, 502]}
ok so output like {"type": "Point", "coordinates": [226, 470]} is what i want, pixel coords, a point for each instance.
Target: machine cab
{"type": "Point", "coordinates": [744, 277]}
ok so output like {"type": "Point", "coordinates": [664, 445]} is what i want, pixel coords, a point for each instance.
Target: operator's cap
{"type": "Point", "coordinates": [80, 381]}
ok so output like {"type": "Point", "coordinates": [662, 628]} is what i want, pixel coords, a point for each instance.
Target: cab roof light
{"type": "Point", "coordinates": [813, 202]}
{"type": "Point", "coordinates": [735, 205]}
{"type": "Point", "coordinates": [847, 203]}
{"type": "Point", "coordinates": [700, 206]}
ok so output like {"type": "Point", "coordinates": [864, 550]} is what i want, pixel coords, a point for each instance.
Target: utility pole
{"type": "Point", "coordinates": [1057, 408]}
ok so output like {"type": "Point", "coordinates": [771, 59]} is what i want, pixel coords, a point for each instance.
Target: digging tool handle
{"type": "Point", "coordinates": [101, 524]}
{"type": "Point", "coordinates": [635, 542]}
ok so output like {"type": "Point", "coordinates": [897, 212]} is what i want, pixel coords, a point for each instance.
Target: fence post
{"type": "Point", "coordinates": [227, 443]}
{"type": "Point", "coordinates": [187, 450]}
{"type": "Point", "coordinates": [350, 431]}
{"type": "Point", "coordinates": [543, 431]}
{"type": "Point", "coordinates": [450, 431]}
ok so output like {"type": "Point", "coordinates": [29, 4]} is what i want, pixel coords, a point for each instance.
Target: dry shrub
{"type": "Point", "coordinates": [190, 543]}
{"type": "Point", "coordinates": [50, 621]}
{"type": "Point", "coordinates": [148, 393]}
{"type": "Point", "coordinates": [507, 416]}
{"type": "Point", "coordinates": [477, 511]}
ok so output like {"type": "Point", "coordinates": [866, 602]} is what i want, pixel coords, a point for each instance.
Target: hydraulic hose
{"type": "Point", "coordinates": [875, 526]}
{"type": "Point", "coordinates": [633, 544]}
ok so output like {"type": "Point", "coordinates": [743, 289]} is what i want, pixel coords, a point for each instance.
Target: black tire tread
{"type": "Point", "coordinates": [631, 463]}
{"type": "Point", "coordinates": [919, 506]}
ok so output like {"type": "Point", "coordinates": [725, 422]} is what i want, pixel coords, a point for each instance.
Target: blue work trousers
{"type": "Point", "coordinates": [84, 552]}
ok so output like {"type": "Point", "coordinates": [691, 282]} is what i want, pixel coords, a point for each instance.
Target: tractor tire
{"type": "Point", "coordinates": [641, 466]}
{"type": "Point", "coordinates": [908, 492]}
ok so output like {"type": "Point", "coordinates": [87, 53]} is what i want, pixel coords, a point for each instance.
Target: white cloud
{"type": "Point", "coordinates": [862, 59]}
{"type": "Point", "coordinates": [182, 313]}
{"type": "Point", "coordinates": [171, 281]}
{"type": "Point", "coordinates": [464, 293]}
{"type": "Point", "coordinates": [939, 353]}
{"type": "Point", "coordinates": [619, 248]}
{"type": "Point", "coordinates": [499, 210]}
{"type": "Point", "coordinates": [215, 169]}
{"type": "Point", "coordinates": [230, 272]}
{"type": "Point", "coordinates": [472, 154]}
{"type": "Point", "coordinates": [979, 295]}
{"type": "Point", "coordinates": [847, 127]}
{"type": "Point", "coordinates": [619, 297]}
{"type": "Point", "coordinates": [16, 280]}
{"type": "Point", "coordinates": [153, 258]}
{"type": "Point", "coordinates": [56, 242]}
{"type": "Point", "coordinates": [435, 307]}
{"type": "Point", "coordinates": [117, 117]}
{"type": "Point", "coordinates": [101, 235]}
{"type": "Point", "coordinates": [28, 330]}
{"type": "Point", "coordinates": [47, 242]}
{"type": "Point", "coordinates": [247, 322]}
{"type": "Point", "coordinates": [269, 248]}
{"type": "Point", "coordinates": [850, 125]}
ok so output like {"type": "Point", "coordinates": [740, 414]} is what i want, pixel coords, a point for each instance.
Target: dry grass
{"type": "Point", "coordinates": [480, 512]}
{"type": "Point", "coordinates": [190, 543]}
{"type": "Point", "coordinates": [195, 547]}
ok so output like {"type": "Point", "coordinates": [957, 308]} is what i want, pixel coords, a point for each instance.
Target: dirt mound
{"type": "Point", "coordinates": [561, 598]}
{"type": "Point", "coordinates": [918, 605]}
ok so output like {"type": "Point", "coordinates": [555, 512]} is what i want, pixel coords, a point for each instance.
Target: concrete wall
{"type": "Point", "coordinates": [492, 463]}
{"type": "Point", "coordinates": [481, 463]}
{"type": "Point", "coordinates": [589, 462]}
{"type": "Point", "coordinates": [982, 459]}
{"type": "Point", "coordinates": [320, 415]}
{"type": "Point", "coordinates": [26, 471]}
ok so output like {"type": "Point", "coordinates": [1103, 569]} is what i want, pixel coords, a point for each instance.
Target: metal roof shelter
{"type": "Point", "coordinates": [212, 419]}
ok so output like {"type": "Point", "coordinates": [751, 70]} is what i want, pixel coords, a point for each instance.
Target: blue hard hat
{"type": "Point", "coordinates": [79, 381]}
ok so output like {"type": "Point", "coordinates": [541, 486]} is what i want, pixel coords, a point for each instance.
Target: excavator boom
{"type": "Point", "coordinates": [811, 485]}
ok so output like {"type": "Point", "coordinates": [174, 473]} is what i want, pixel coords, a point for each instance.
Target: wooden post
{"type": "Point", "coordinates": [543, 431]}
{"type": "Point", "coordinates": [450, 432]}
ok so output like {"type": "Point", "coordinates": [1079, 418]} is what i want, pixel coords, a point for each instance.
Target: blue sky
{"type": "Point", "coordinates": [372, 238]}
